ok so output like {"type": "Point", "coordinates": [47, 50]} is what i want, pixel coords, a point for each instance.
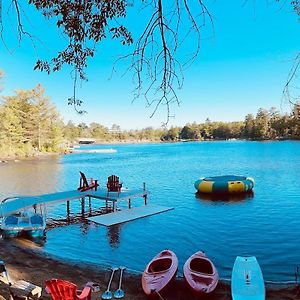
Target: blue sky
{"type": "Point", "coordinates": [240, 68]}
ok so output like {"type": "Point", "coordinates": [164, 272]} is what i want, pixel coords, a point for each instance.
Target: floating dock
{"type": "Point", "coordinates": [127, 215]}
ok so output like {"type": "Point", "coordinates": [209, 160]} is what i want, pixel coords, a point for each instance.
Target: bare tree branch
{"type": "Point", "coordinates": [290, 91]}
{"type": "Point", "coordinates": [291, 88]}
{"type": "Point", "coordinates": [155, 63]}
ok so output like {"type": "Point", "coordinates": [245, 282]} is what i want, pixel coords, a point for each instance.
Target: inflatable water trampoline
{"type": "Point", "coordinates": [227, 184]}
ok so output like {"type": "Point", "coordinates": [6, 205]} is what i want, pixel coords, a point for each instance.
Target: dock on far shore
{"type": "Point", "coordinates": [108, 216]}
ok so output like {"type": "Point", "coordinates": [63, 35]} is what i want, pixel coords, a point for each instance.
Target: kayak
{"type": "Point", "coordinates": [247, 280]}
{"type": "Point", "coordinates": [200, 274]}
{"type": "Point", "coordinates": [160, 273]}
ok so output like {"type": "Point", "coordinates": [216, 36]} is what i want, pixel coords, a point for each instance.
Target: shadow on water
{"type": "Point", "coordinates": [225, 197]}
{"type": "Point", "coordinates": [84, 226]}
{"type": "Point", "coordinates": [34, 243]}
{"type": "Point", "coordinates": [113, 235]}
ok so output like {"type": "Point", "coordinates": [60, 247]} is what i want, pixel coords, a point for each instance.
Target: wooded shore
{"type": "Point", "coordinates": [30, 124]}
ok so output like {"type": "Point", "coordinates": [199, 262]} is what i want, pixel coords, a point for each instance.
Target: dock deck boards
{"type": "Point", "coordinates": [10, 207]}
{"type": "Point", "coordinates": [127, 215]}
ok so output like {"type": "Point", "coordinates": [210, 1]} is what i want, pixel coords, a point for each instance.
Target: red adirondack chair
{"type": "Point", "coordinates": [64, 290]}
{"type": "Point", "coordinates": [113, 184]}
{"type": "Point", "coordinates": [84, 185]}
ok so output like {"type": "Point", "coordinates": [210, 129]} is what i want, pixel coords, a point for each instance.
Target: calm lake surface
{"type": "Point", "coordinates": [266, 225]}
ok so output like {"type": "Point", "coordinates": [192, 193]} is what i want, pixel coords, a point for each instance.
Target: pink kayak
{"type": "Point", "coordinates": [159, 273]}
{"type": "Point", "coordinates": [200, 274]}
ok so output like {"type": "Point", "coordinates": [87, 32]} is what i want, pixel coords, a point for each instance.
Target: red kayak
{"type": "Point", "coordinates": [159, 273]}
{"type": "Point", "coordinates": [200, 274]}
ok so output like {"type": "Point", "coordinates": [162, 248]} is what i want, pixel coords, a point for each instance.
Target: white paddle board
{"type": "Point", "coordinates": [247, 281]}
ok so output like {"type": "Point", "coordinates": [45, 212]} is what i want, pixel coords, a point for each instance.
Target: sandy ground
{"type": "Point", "coordinates": [31, 265]}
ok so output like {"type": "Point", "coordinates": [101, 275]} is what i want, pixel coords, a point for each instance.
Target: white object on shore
{"type": "Point", "coordinates": [247, 281]}
{"type": "Point", "coordinates": [95, 151]}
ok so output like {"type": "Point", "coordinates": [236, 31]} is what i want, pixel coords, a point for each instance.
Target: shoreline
{"type": "Point", "coordinates": [34, 266]}
{"type": "Point", "coordinates": [43, 155]}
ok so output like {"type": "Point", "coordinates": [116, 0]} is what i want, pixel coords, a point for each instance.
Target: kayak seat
{"type": "Point", "coordinates": [205, 280]}
{"type": "Point", "coordinates": [201, 266]}
{"type": "Point", "coordinates": [160, 265]}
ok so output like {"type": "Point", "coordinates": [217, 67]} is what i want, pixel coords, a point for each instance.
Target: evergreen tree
{"type": "Point", "coordinates": [249, 124]}
{"type": "Point", "coordinates": [30, 123]}
{"type": "Point", "coordinates": [262, 124]}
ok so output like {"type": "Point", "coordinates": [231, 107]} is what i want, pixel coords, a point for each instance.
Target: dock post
{"type": "Point", "coordinates": [129, 203]}
{"type": "Point", "coordinates": [114, 206]}
{"type": "Point", "coordinates": [82, 206]}
{"type": "Point", "coordinates": [90, 206]}
{"type": "Point", "coordinates": [145, 194]}
{"type": "Point", "coordinates": [68, 209]}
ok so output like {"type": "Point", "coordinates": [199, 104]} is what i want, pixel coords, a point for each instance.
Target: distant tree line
{"type": "Point", "coordinates": [266, 125]}
{"type": "Point", "coordinates": [30, 124]}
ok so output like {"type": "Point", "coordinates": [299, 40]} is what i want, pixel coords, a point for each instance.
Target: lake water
{"type": "Point", "coordinates": [266, 225]}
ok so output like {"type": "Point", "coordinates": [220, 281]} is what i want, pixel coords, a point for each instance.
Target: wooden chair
{"type": "Point", "coordinates": [20, 289]}
{"type": "Point", "coordinates": [113, 184]}
{"type": "Point", "coordinates": [84, 185]}
{"type": "Point", "coordinates": [64, 290]}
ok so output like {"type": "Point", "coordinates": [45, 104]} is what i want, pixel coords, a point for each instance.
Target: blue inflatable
{"type": "Point", "coordinates": [228, 184]}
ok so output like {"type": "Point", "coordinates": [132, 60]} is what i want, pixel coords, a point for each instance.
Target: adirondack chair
{"type": "Point", "coordinates": [84, 185]}
{"type": "Point", "coordinates": [64, 290]}
{"type": "Point", "coordinates": [113, 184]}
{"type": "Point", "coordinates": [20, 289]}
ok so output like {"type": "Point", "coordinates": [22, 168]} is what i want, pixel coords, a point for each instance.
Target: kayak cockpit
{"type": "Point", "coordinates": [201, 265]}
{"type": "Point", "coordinates": [160, 265]}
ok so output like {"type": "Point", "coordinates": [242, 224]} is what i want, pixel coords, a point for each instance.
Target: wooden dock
{"type": "Point", "coordinates": [127, 215]}
{"type": "Point", "coordinates": [8, 207]}
{"type": "Point", "coordinates": [107, 214]}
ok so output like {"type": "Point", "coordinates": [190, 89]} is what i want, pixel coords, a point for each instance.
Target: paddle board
{"type": "Point", "coordinates": [247, 281]}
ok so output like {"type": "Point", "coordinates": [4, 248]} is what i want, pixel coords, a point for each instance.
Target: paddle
{"type": "Point", "coordinates": [108, 294]}
{"type": "Point", "coordinates": [119, 293]}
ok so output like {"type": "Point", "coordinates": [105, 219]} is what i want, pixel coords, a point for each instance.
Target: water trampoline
{"type": "Point", "coordinates": [227, 184]}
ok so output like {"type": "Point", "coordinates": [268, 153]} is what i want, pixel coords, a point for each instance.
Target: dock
{"type": "Point", "coordinates": [127, 215]}
{"type": "Point", "coordinates": [109, 215]}
{"type": "Point", "coordinates": [8, 207]}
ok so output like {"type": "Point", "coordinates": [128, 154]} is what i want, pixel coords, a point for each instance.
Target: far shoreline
{"type": "Point", "coordinates": [45, 155]}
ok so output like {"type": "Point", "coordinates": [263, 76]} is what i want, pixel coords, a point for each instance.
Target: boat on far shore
{"type": "Point", "coordinates": [110, 150]}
